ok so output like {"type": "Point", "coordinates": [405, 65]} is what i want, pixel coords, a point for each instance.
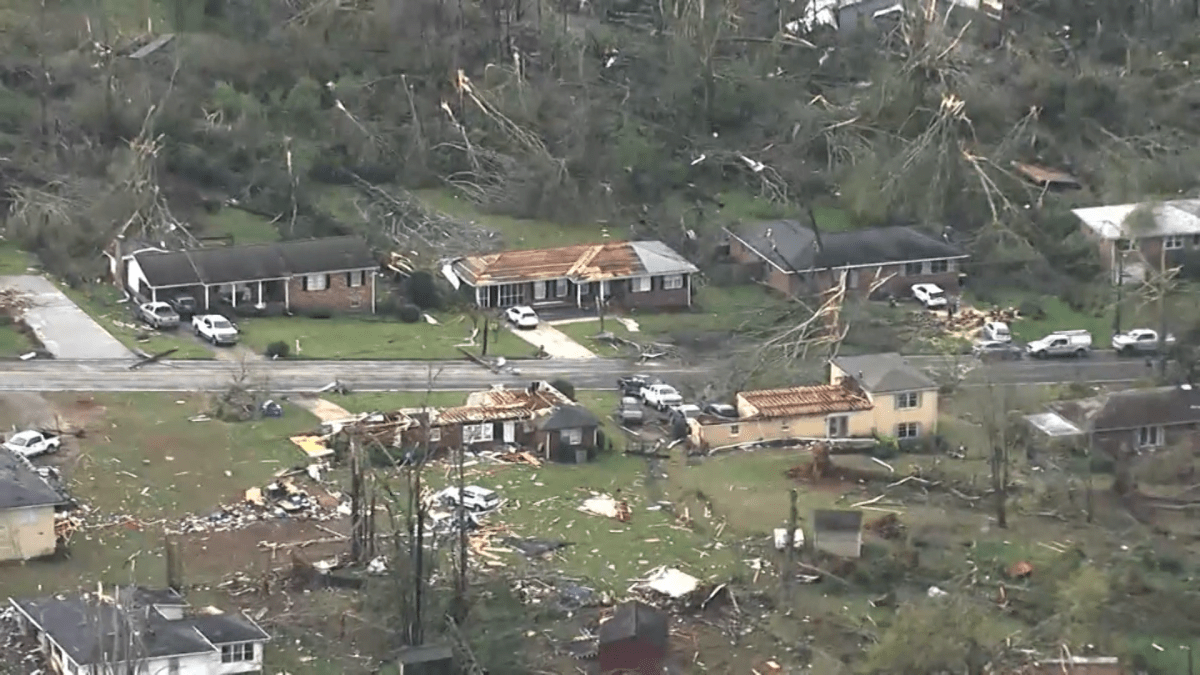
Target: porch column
{"type": "Point", "coordinates": [372, 273]}
{"type": "Point", "coordinates": [287, 299]}
{"type": "Point", "coordinates": [687, 280]}
{"type": "Point", "coordinates": [477, 300]}
{"type": "Point", "coordinates": [206, 297]}
{"type": "Point", "coordinates": [153, 294]}
{"type": "Point", "coordinates": [233, 293]}
{"type": "Point", "coordinates": [260, 302]}
{"type": "Point", "coordinates": [579, 296]}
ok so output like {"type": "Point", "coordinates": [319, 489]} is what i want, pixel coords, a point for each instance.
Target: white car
{"type": "Point", "coordinates": [215, 328]}
{"type": "Point", "coordinates": [661, 396]}
{"type": "Point", "coordinates": [996, 331]}
{"type": "Point", "coordinates": [930, 295]}
{"type": "Point", "coordinates": [32, 443]}
{"type": "Point", "coordinates": [474, 498]}
{"type": "Point", "coordinates": [522, 317]}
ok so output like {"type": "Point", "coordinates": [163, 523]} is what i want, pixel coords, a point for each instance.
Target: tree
{"type": "Point", "coordinates": [937, 635]}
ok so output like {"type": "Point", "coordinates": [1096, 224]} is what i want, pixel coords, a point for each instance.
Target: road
{"type": "Point", "coordinates": [303, 376]}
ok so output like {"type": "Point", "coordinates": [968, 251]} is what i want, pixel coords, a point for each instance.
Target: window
{"type": "Point", "coordinates": [354, 279]}
{"type": "Point", "coordinates": [539, 290]}
{"type": "Point", "coordinates": [640, 284]}
{"type": "Point", "coordinates": [572, 436]}
{"type": "Point", "coordinates": [939, 266]}
{"type": "Point", "coordinates": [477, 433]}
{"type": "Point", "coordinates": [907, 401]}
{"type": "Point", "coordinates": [673, 282]}
{"type": "Point", "coordinates": [435, 434]}
{"type": "Point", "coordinates": [1126, 245]}
{"type": "Point", "coordinates": [510, 294]}
{"type": "Point", "coordinates": [1173, 241]}
{"type": "Point", "coordinates": [914, 269]}
{"type": "Point", "coordinates": [239, 652]}
{"type": "Point", "coordinates": [560, 288]}
{"type": "Point", "coordinates": [1196, 240]}
{"type": "Point", "coordinates": [908, 430]}
{"type": "Point", "coordinates": [316, 282]}
{"type": "Point", "coordinates": [1149, 437]}
{"type": "Point", "coordinates": [837, 426]}
{"type": "Point", "coordinates": [734, 429]}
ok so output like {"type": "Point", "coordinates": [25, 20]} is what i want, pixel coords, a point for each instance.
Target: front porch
{"type": "Point", "coordinates": [543, 294]}
{"type": "Point", "coordinates": [246, 294]}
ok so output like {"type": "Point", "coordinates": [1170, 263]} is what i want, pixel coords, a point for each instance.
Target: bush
{"type": "Point", "coordinates": [423, 290]}
{"type": "Point", "coordinates": [409, 314]}
{"type": "Point", "coordinates": [278, 349]}
{"type": "Point", "coordinates": [565, 387]}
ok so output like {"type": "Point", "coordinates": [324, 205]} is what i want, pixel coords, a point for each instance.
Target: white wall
{"type": "Point", "coordinates": [135, 278]}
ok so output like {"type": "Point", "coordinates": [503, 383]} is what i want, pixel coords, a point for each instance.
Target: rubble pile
{"type": "Point", "coordinates": [966, 322]}
{"type": "Point", "coordinates": [887, 527]}
{"type": "Point", "coordinates": [280, 499]}
{"type": "Point", "coordinates": [567, 594]}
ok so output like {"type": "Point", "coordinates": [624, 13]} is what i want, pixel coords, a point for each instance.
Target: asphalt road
{"type": "Point", "coordinates": [304, 376]}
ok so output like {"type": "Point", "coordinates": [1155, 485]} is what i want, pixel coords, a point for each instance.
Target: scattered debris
{"type": "Point", "coordinates": [670, 582]}
{"type": "Point", "coordinates": [536, 548]}
{"type": "Point", "coordinates": [1020, 570]}
{"type": "Point", "coordinates": [887, 527]}
{"type": "Point", "coordinates": [604, 505]}
{"type": "Point", "coordinates": [313, 446]}
{"type": "Point", "coordinates": [781, 538]}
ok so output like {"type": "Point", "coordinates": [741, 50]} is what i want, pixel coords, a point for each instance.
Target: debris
{"type": "Point", "coordinates": [535, 548]}
{"type": "Point", "coordinates": [935, 592]}
{"type": "Point", "coordinates": [604, 505]}
{"type": "Point", "coordinates": [255, 496]}
{"type": "Point", "coordinates": [781, 538]}
{"type": "Point", "coordinates": [313, 446]}
{"type": "Point", "coordinates": [1020, 570]}
{"type": "Point", "coordinates": [887, 527]}
{"type": "Point", "coordinates": [377, 566]}
{"type": "Point", "coordinates": [270, 408]}
{"type": "Point", "coordinates": [670, 582]}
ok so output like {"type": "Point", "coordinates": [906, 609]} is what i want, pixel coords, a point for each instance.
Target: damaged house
{"type": "Point", "coordinates": [1139, 420]}
{"type": "Point", "coordinates": [1133, 239]}
{"type": "Point", "coordinates": [139, 630]}
{"type": "Point", "coordinates": [27, 507]}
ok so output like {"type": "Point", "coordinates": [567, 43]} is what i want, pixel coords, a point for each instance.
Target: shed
{"type": "Point", "coordinates": [634, 640]}
{"type": "Point", "coordinates": [434, 659]}
{"type": "Point", "coordinates": [838, 532]}
{"type": "Point", "coordinates": [568, 433]}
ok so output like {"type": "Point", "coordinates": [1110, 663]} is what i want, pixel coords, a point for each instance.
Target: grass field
{"type": "Point", "coordinates": [519, 233]}
{"type": "Point", "coordinates": [13, 260]}
{"type": "Point", "coordinates": [245, 228]}
{"type": "Point", "coordinates": [103, 303]}
{"type": "Point", "coordinates": [12, 341]}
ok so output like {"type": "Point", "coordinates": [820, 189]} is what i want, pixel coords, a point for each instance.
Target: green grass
{"type": "Point", "coordinates": [1172, 659]}
{"type": "Point", "coordinates": [374, 337]}
{"type": "Point", "coordinates": [245, 228]}
{"type": "Point", "coordinates": [519, 233]}
{"type": "Point", "coordinates": [103, 303]}
{"type": "Point", "coordinates": [13, 261]}
{"type": "Point", "coordinates": [12, 341]}
{"type": "Point", "coordinates": [743, 206]}
{"type": "Point", "coordinates": [716, 309]}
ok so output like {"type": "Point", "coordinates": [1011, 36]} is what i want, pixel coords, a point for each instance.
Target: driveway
{"type": "Point", "coordinates": [556, 343]}
{"type": "Point", "coordinates": [67, 331]}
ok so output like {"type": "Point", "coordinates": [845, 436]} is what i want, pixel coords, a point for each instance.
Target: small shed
{"type": "Point", "coordinates": [568, 433]}
{"type": "Point", "coordinates": [838, 532]}
{"type": "Point", "coordinates": [634, 640]}
{"type": "Point", "coordinates": [432, 659]}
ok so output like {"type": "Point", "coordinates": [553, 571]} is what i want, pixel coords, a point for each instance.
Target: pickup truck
{"type": "Point", "coordinates": [1139, 341]}
{"type": "Point", "coordinates": [215, 328]}
{"type": "Point", "coordinates": [661, 396]}
{"type": "Point", "coordinates": [1077, 343]}
{"type": "Point", "coordinates": [158, 315]}
{"type": "Point", "coordinates": [33, 443]}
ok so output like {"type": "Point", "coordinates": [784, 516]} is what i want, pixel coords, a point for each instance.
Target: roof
{"type": "Point", "coordinates": [837, 520]}
{"type": "Point", "coordinates": [801, 401]}
{"type": "Point", "coordinates": [425, 654]}
{"type": "Point", "coordinates": [21, 487]}
{"type": "Point", "coordinates": [1181, 216]}
{"type": "Point", "coordinates": [472, 414]}
{"type": "Point", "coordinates": [253, 262]}
{"type": "Point", "coordinates": [884, 373]}
{"type": "Point", "coordinates": [792, 247]}
{"type": "Point", "coordinates": [1044, 176]}
{"type": "Point", "coordinates": [1133, 408]}
{"type": "Point", "coordinates": [536, 396]}
{"type": "Point", "coordinates": [635, 620]}
{"type": "Point", "coordinates": [568, 417]}
{"type": "Point", "coordinates": [581, 262]}
{"type": "Point", "coordinates": [224, 629]}
{"type": "Point", "coordinates": [1054, 425]}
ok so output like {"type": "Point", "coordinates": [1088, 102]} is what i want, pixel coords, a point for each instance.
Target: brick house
{"type": "Point", "coordinates": [630, 274]}
{"type": "Point", "coordinates": [335, 273]}
{"type": "Point", "coordinates": [1133, 238]}
{"type": "Point", "coordinates": [1134, 420]}
{"type": "Point", "coordinates": [794, 413]}
{"type": "Point", "coordinates": [795, 260]}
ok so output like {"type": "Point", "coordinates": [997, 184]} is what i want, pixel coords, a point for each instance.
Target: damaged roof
{"type": "Point", "coordinates": [884, 373]}
{"type": "Point", "coordinates": [21, 487]}
{"type": "Point", "coordinates": [1133, 408]}
{"type": "Point", "coordinates": [635, 620]}
{"type": "Point", "coordinates": [792, 247]}
{"type": "Point", "coordinates": [254, 262]}
{"type": "Point", "coordinates": [837, 520]}
{"type": "Point", "coordinates": [500, 403]}
{"type": "Point", "coordinates": [1180, 216]}
{"type": "Point", "coordinates": [801, 401]}
{"type": "Point", "coordinates": [1044, 176]}
{"type": "Point", "coordinates": [581, 262]}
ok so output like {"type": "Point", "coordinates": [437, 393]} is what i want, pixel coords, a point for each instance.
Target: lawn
{"type": "Point", "coordinates": [374, 337]}
{"type": "Point", "coordinates": [743, 206]}
{"type": "Point", "coordinates": [245, 228]}
{"type": "Point", "coordinates": [104, 304]}
{"type": "Point", "coordinates": [12, 341]}
{"type": "Point", "coordinates": [1060, 316]}
{"type": "Point", "coordinates": [13, 261]}
{"type": "Point", "coordinates": [519, 233]}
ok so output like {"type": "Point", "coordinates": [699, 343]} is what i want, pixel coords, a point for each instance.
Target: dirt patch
{"type": "Point", "coordinates": [834, 476]}
{"type": "Point", "coordinates": [212, 555]}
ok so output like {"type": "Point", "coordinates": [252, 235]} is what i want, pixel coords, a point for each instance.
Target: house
{"type": "Point", "coordinates": [335, 273]}
{"type": "Point", "coordinates": [630, 274]}
{"type": "Point", "coordinates": [432, 659]}
{"type": "Point", "coordinates": [904, 401]}
{"type": "Point", "coordinates": [569, 433]}
{"type": "Point", "coordinates": [838, 532]}
{"type": "Point", "coordinates": [633, 641]}
{"type": "Point", "coordinates": [1075, 665]}
{"type": "Point", "coordinates": [1135, 238]}
{"type": "Point", "coordinates": [795, 413]}
{"type": "Point", "coordinates": [1129, 420]}
{"type": "Point", "coordinates": [147, 630]}
{"type": "Point", "coordinates": [27, 506]}
{"type": "Point", "coordinates": [796, 260]}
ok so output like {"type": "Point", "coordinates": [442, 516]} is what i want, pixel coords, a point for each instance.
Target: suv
{"type": "Point", "coordinates": [474, 498]}
{"type": "Point", "coordinates": [632, 385]}
{"type": "Point", "coordinates": [158, 315]}
{"type": "Point", "coordinates": [996, 331]}
{"type": "Point", "coordinates": [1077, 343]}
{"type": "Point", "coordinates": [630, 411]}
{"type": "Point", "coordinates": [930, 295]}
{"type": "Point", "coordinates": [184, 305]}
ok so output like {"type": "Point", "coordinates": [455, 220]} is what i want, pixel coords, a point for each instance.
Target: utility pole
{"type": "Point", "coordinates": [460, 587]}
{"type": "Point", "coordinates": [1120, 256]}
{"type": "Point", "coordinates": [1162, 313]}
{"type": "Point", "coordinates": [486, 323]}
{"type": "Point", "coordinates": [790, 545]}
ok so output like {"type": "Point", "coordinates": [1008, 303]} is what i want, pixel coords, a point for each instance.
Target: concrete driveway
{"type": "Point", "coordinates": [67, 331]}
{"type": "Point", "coordinates": [556, 343]}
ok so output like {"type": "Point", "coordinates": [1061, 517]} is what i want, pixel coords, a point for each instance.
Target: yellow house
{"type": "Point", "coordinates": [27, 505]}
{"type": "Point", "coordinates": [904, 400]}
{"type": "Point", "coordinates": [796, 413]}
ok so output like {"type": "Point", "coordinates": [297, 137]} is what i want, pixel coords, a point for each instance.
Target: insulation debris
{"type": "Point", "coordinates": [605, 505]}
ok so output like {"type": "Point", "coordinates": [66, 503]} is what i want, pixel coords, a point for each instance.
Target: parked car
{"type": "Point", "coordinates": [995, 350]}
{"type": "Point", "coordinates": [687, 411]}
{"type": "Point", "coordinates": [33, 443]}
{"type": "Point", "coordinates": [215, 328]}
{"type": "Point", "coordinates": [721, 410]}
{"type": "Point", "coordinates": [996, 331]}
{"type": "Point", "coordinates": [184, 305]}
{"type": "Point", "coordinates": [632, 385]}
{"type": "Point", "coordinates": [630, 412]}
{"type": "Point", "coordinates": [1076, 343]}
{"type": "Point", "coordinates": [521, 317]}
{"type": "Point", "coordinates": [930, 295]}
{"type": "Point", "coordinates": [1139, 341]}
{"type": "Point", "coordinates": [661, 396]}
{"type": "Point", "coordinates": [158, 315]}
{"type": "Point", "coordinates": [474, 498]}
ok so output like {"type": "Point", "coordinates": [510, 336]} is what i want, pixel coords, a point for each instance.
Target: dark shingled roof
{"type": "Point", "coordinates": [793, 247]}
{"type": "Point", "coordinates": [254, 262]}
{"type": "Point", "coordinates": [830, 520]}
{"type": "Point", "coordinates": [635, 620]}
{"type": "Point", "coordinates": [884, 373]}
{"type": "Point", "coordinates": [1134, 408]}
{"type": "Point", "coordinates": [224, 629]}
{"type": "Point", "coordinates": [568, 417]}
{"type": "Point", "coordinates": [20, 486]}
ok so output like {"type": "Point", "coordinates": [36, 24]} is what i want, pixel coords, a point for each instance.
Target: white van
{"type": "Point", "coordinates": [996, 331]}
{"type": "Point", "coordinates": [1076, 343]}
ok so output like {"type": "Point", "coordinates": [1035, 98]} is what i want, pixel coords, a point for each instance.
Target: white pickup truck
{"type": "Point", "coordinates": [215, 328]}
{"type": "Point", "coordinates": [661, 396]}
{"type": "Point", "coordinates": [32, 443]}
{"type": "Point", "coordinates": [1139, 341]}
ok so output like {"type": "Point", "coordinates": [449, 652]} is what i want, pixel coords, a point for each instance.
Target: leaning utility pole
{"type": "Point", "coordinates": [459, 612]}
{"type": "Point", "coordinates": [790, 546]}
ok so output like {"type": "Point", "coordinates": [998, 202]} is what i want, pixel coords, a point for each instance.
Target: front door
{"type": "Point", "coordinates": [510, 432]}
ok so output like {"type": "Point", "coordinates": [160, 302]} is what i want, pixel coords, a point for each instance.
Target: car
{"type": "Point", "coordinates": [1077, 343]}
{"type": "Point", "coordinates": [996, 350]}
{"type": "Point", "coordinates": [630, 412]}
{"type": "Point", "coordinates": [215, 328]}
{"type": "Point", "coordinates": [474, 498]}
{"type": "Point", "coordinates": [32, 443]}
{"type": "Point", "coordinates": [721, 410]}
{"type": "Point", "coordinates": [631, 385]}
{"type": "Point", "coordinates": [184, 305]}
{"type": "Point", "coordinates": [158, 315]}
{"type": "Point", "coordinates": [661, 396]}
{"type": "Point", "coordinates": [930, 295]}
{"type": "Point", "coordinates": [1139, 341]}
{"type": "Point", "coordinates": [996, 331]}
{"type": "Point", "coordinates": [687, 411]}
{"type": "Point", "coordinates": [521, 317]}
